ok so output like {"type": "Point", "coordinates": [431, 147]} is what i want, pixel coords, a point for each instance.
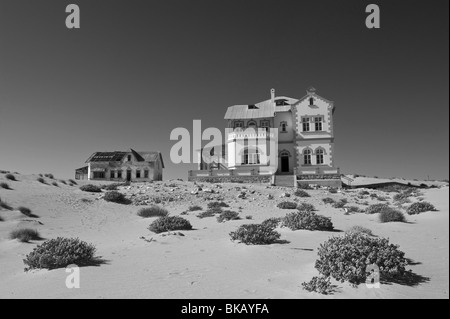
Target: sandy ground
{"type": "Point", "coordinates": [205, 263]}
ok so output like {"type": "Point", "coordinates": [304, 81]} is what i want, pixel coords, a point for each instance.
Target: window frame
{"type": "Point", "coordinates": [306, 122]}
{"type": "Point", "coordinates": [318, 120]}
{"type": "Point", "coordinates": [138, 173]}
{"type": "Point", "coordinates": [320, 156]}
{"type": "Point", "coordinates": [307, 154]}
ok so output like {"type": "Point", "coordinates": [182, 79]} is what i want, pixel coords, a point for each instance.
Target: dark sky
{"type": "Point", "coordinates": [138, 69]}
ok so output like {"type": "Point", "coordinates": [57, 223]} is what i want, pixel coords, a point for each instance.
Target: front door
{"type": "Point", "coordinates": [285, 164]}
{"type": "Point", "coordinates": [129, 175]}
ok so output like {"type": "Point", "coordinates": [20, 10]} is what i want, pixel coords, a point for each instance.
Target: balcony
{"type": "Point", "coordinates": [250, 135]}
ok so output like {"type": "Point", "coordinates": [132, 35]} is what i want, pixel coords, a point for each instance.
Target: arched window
{"type": "Point", "coordinates": [319, 156]}
{"type": "Point", "coordinates": [283, 126]}
{"type": "Point", "coordinates": [251, 124]}
{"type": "Point", "coordinates": [307, 157]}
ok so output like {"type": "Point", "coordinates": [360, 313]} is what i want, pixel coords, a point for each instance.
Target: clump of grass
{"type": "Point", "coordinates": [115, 197]}
{"type": "Point", "coordinates": [287, 205]}
{"type": "Point", "coordinates": [359, 230]}
{"type": "Point", "coordinates": [301, 193]}
{"type": "Point", "coordinates": [272, 222]}
{"type": "Point", "coordinates": [55, 184]}
{"type": "Point", "coordinates": [4, 186]}
{"type": "Point", "coordinates": [227, 215]}
{"type": "Point", "coordinates": [332, 190]}
{"type": "Point", "coordinates": [306, 207]}
{"type": "Point", "coordinates": [420, 207]}
{"type": "Point", "coordinates": [194, 208]}
{"type": "Point", "coordinates": [41, 180]}
{"type": "Point", "coordinates": [249, 217]}
{"type": "Point", "coordinates": [63, 181]}
{"type": "Point", "coordinates": [4, 205]}
{"type": "Point", "coordinates": [376, 208]}
{"type": "Point", "coordinates": [391, 215]}
{"type": "Point", "coordinates": [341, 203]}
{"type": "Point", "coordinates": [254, 234]}
{"type": "Point", "coordinates": [71, 181]}
{"type": "Point", "coordinates": [210, 212]}
{"type": "Point", "coordinates": [169, 223]}
{"type": "Point", "coordinates": [328, 200]}
{"type": "Point", "coordinates": [152, 211]}
{"type": "Point", "coordinates": [91, 188]}
{"type": "Point", "coordinates": [25, 235]}
{"type": "Point", "coordinates": [10, 177]}
{"type": "Point", "coordinates": [217, 204]}
{"type": "Point", "coordinates": [353, 209]}
{"type": "Point", "coordinates": [49, 176]}
{"type": "Point", "coordinates": [26, 211]}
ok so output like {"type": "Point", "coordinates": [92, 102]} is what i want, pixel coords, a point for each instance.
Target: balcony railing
{"type": "Point", "coordinates": [247, 135]}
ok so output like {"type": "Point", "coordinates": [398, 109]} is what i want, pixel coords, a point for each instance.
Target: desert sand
{"type": "Point", "coordinates": [205, 263]}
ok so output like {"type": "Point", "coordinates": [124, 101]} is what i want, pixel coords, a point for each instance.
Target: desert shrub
{"type": "Point", "coordinates": [420, 207]}
{"type": "Point", "coordinates": [359, 230]}
{"type": "Point", "coordinates": [340, 204]}
{"type": "Point", "coordinates": [301, 193]}
{"type": "Point", "coordinates": [363, 193]}
{"type": "Point", "coordinates": [376, 208]}
{"type": "Point", "coordinates": [321, 285]}
{"type": "Point", "coordinates": [227, 215]}
{"type": "Point", "coordinates": [25, 235]}
{"type": "Point", "coordinates": [4, 205]}
{"type": "Point", "coordinates": [62, 181]}
{"type": "Point", "coordinates": [59, 253]}
{"type": "Point", "coordinates": [49, 176]}
{"type": "Point", "coordinates": [4, 185]}
{"type": "Point", "coordinates": [168, 223]}
{"type": "Point", "coordinates": [55, 184]}
{"type": "Point", "coordinates": [272, 222]}
{"type": "Point", "coordinates": [91, 188]}
{"type": "Point", "coordinates": [1, 219]}
{"type": "Point", "coordinates": [152, 211]}
{"type": "Point", "coordinates": [332, 190]}
{"type": "Point", "coordinates": [115, 197]}
{"type": "Point", "coordinates": [249, 217]}
{"type": "Point", "coordinates": [210, 212]}
{"type": "Point", "coordinates": [71, 181]}
{"type": "Point", "coordinates": [307, 220]}
{"type": "Point", "coordinates": [328, 200]}
{"type": "Point", "coordinates": [41, 175]}
{"type": "Point", "coordinates": [114, 186]}
{"type": "Point", "coordinates": [254, 234]}
{"type": "Point", "coordinates": [306, 207]}
{"type": "Point", "coordinates": [24, 210]}
{"type": "Point", "coordinates": [304, 186]}
{"type": "Point", "coordinates": [10, 177]}
{"type": "Point", "coordinates": [194, 208]}
{"type": "Point", "coordinates": [391, 215]}
{"type": "Point", "coordinates": [353, 209]}
{"type": "Point", "coordinates": [287, 205]}
{"type": "Point", "coordinates": [217, 204]}
{"type": "Point", "coordinates": [41, 180]}
{"type": "Point", "coordinates": [345, 258]}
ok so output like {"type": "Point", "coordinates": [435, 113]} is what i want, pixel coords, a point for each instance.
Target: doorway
{"type": "Point", "coordinates": [285, 164]}
{"type": "Point", "coordinates": [129, 175]}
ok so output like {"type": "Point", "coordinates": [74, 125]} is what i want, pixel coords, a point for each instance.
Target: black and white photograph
{"type": "Point", "coordinates": [224, 154]}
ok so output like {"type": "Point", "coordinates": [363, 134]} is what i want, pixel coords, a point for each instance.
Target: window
{"type": "Point", "coordinates": [238, 124]}
{"type": "Point", "coordinates": [319, 156]}
{"type": "Point", "coordinates": [251, 124]}
{"type": "Point", "coordinates": [251, 158]}
{"type": "Point", "coordinates": [138, 173]}
{"type": "Point", "coordinates": [265, 125]}
{"type": "Point", "coordinates": [307, 157]}
{"type": "Point", "coordinates": [146, 173]}
{"type": "Point", "coordinates": [112, 174]}
{"type": "Point", "coordinates": [99, 174]}
{"type": "Point", "coordinates": [283, 126]}
{"type": "Point", "coordinates": [318, 123]}
{"type": "Point", "coordinates": [281, 102]}
{"type": "Point", "coordinates": [119, 174]}
{"type": "Point", "coordinates": [311, 101]}
{"type": "Point", "coordinates": [305, 123]}
{"type": "Point", "coordinates": [129, 158]}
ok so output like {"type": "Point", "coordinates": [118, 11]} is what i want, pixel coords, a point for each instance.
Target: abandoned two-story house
{"type": "Point", "coordinates": [303, 134]}
{"type": "Point", "coordinates": [123, 166]}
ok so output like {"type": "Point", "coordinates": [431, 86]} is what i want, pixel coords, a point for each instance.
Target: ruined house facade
{"type": "Point", "coordinates": [120, 166]}
{"type": "Point", "coordinates": [302, 129]}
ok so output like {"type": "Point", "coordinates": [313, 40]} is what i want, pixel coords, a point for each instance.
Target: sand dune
{"type": "Point", "coordinates": [204, 263]}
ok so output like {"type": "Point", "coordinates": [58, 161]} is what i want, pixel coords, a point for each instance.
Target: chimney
{"type": "Point", "coordinates": [272, 95]}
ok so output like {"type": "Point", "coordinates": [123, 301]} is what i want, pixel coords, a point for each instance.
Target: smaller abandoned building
{"type": "Point", "coordinates": [119, 166]}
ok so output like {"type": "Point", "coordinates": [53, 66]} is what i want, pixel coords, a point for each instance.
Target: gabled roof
{"type": "Point", "coordinates": [262, 109]}
{"type": "Point", "coordinates": [118, 156]}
